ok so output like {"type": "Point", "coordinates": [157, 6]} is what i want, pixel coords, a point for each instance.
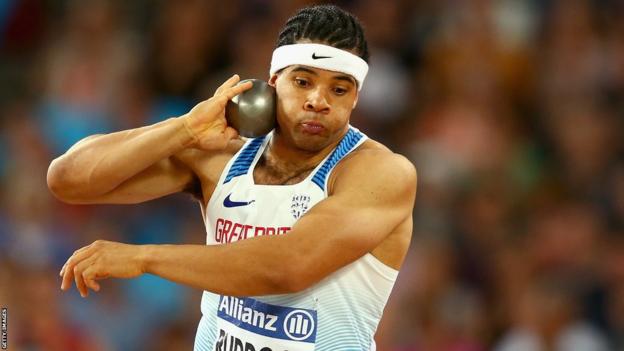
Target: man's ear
{"type": "Point", "coordinates": [357, 96]}
{"type": "Point", "coordinates": [272, 80]}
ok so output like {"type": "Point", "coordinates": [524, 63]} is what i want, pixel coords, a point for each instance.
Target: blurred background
{"type": "Point", "coordinates": [511, 110]}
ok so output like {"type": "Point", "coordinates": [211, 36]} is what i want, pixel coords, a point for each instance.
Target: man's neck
{"type": "Point", "coordinates": [283, 157]}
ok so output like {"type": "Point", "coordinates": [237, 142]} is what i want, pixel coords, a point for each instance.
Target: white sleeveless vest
{"type": "Point", "coordinates": [341, 312]}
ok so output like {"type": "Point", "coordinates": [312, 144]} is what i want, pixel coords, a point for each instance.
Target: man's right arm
{"type": "Point", "coordinates": [129, 166]}
{"type": "Point", "coordinates": [141, 164]}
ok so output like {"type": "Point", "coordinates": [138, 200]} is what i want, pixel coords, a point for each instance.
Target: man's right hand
{"type": "Point", "coordinates": [206, 121]}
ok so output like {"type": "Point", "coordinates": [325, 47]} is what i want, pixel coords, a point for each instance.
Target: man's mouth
{"type": "Point", "coordinates": [312, 127]}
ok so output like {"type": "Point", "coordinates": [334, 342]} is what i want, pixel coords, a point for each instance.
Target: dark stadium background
{"type": "Point", "coordinates": [512, 111]}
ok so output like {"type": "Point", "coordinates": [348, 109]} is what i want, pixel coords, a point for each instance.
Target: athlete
{"type": "Point", "coordinates": [306, 227]}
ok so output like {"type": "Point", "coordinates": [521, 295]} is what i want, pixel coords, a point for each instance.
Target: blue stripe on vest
{"type": "Point", "coordinates": [346, 144]}
{"type": "Point", "coordinates": [244, 159]}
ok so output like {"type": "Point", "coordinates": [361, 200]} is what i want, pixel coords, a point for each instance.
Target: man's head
{"type": "Point", "coordinates": [325, 24]}
{"type": "Point", "coordinates": [317, 85]}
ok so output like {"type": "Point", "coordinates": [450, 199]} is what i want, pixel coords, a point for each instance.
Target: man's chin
{"type": "Point", "coordinates": [308, 142]}
{"type": "Point", "coordinates": [311, 146]}
{"type": "Point", "coordinates": [311, 143]}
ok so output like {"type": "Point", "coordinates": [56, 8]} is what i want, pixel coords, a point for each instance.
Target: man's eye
{"type": "Point", "coordinates": [301, 82]}
{"type": "Point", "coordinates": [340, 91]}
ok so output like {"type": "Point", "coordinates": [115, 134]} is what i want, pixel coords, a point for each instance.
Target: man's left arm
{"type": "Point", "coordinates": [372, 195]}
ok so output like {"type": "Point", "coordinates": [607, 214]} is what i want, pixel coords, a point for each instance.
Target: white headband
{"type": "Point", "coordinates": [320, 56]}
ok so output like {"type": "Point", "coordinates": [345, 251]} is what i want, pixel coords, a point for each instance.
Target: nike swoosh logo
{"type": "Point", "coordinates": [229, 203]}
{"type": "Point", "coordinates": [314, 57]}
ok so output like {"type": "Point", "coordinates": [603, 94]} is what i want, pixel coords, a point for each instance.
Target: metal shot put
{"type": "Point", "coordinates": [252, 113]}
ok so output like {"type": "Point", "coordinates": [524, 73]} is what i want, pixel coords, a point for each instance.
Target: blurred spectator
{"type": "Point", "coordinates": [84, 68]}
{"type": "Point", "coordinates": [545, 318]}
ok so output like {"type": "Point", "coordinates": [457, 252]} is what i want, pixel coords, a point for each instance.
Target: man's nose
{"type": "Point", "coordinates": [317, 102]}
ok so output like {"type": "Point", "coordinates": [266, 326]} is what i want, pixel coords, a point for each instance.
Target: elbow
{"type": "Point", "coordinates": [59, 182]}
{"type": "Point", "coordinates": [293, 278]}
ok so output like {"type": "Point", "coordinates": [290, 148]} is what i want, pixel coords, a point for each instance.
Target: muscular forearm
{"type": "Point", "coordinates": [244, 268]}
{"type": "Point", "coordinates": [252, 268]}
{"type": "Point", "coordinates": [100, 163]}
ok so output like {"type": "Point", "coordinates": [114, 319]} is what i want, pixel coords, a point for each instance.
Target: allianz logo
{"type": "Point", "coordinates": [233, 307]}
{"type": "Point", "coordinates": [299, 325]}
{"type": "Point", "coordinates": [296, 324]}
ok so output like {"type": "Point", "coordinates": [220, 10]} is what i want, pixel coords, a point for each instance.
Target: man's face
{"type": "Point", "coordinates": [313, 105]}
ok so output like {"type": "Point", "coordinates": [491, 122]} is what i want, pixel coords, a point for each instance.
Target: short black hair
{"type": "Point", "coordinates": [327, 24]}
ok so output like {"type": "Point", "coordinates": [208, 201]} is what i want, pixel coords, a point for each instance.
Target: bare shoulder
{"type": "Point", "coordinates": [209, 164]}
{"type": "Point", "coordinates": [192, 156]}
{"type": "Point", "coordinates": [374, 164]}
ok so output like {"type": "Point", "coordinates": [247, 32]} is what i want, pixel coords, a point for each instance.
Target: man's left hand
{"type": "Point", "coordinates": [100, 260]}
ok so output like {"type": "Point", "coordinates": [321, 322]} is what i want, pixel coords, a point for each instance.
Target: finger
{"type": "Point", "coordinates": [237, 89]}
{"type": "Point", "coordinates": [227, 84]}
{"type": "Point", "coordinates": [230, 133]}
{"type": "Point", "coordinates": [227, 94]}
{"type": "Point", "coordinates": [75, 257]}
{"type": "Point", "coordinates": [67, 277]}
{"type": "Point", "coordinates": [89, 276]}
{"type": "Point", "coordinates": [78, 278]}
{"type": "Point", "coordinates": [68, 268]}
{"type": "Point", "coordinates": [68, 272]}
{"type": "Point", "coordinates": [80, 285]}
